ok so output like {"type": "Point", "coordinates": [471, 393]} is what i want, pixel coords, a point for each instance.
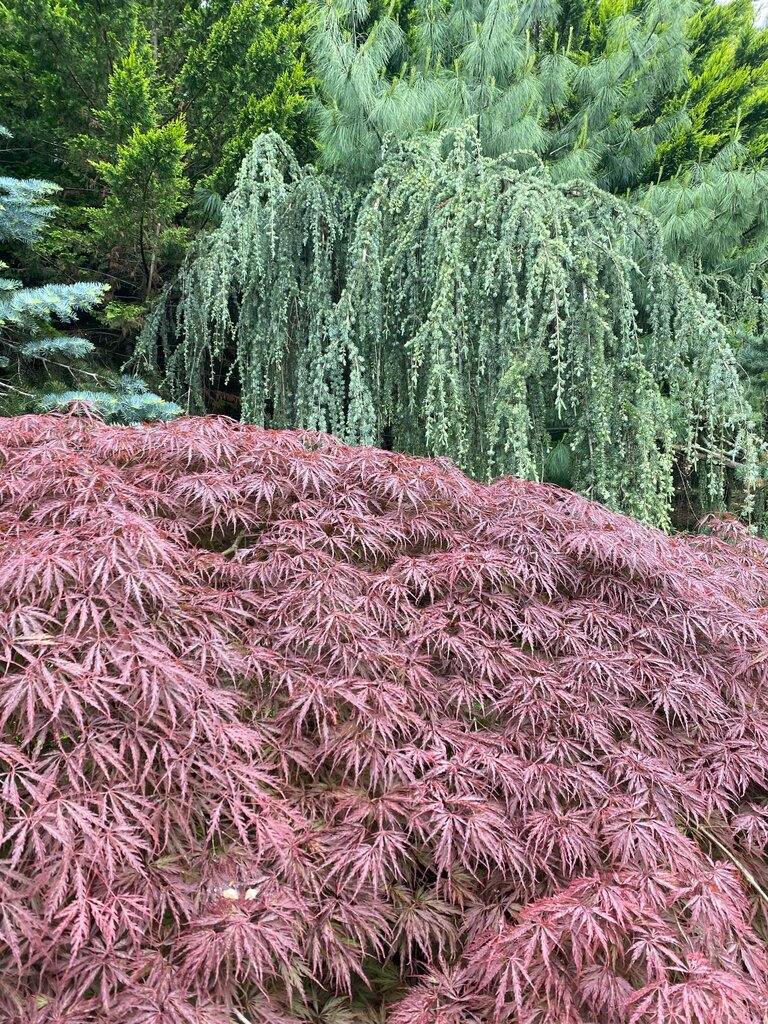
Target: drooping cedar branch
{"type": "Point", "coordinates": [462, 306]}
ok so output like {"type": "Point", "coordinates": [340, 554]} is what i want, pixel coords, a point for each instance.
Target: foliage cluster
{"type": "Point", "coordinates": [662, 104]}
{"type": "Point", "coordinates": [39, 363]}
{"type": "Point", "coordinates": [128, 103]}
{"type": "Point", "coordinates": [623, 94]}
{"type": "Point", "coordinates": [296, 732]}
{"type": "Point", "coordinates": [464, 307]}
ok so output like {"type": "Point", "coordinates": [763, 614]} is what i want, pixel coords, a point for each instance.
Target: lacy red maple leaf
{"type": "Point", "coordinates": [296, 732]}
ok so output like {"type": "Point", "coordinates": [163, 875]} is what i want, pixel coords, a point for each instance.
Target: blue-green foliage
{"type": "Point", "coordinates": [33, 307]}
{"type": "Point", "coordinates": [23, 210]}
{"type": "Point", "coordinates": [26, 313]}
{"type": "Point", "coordinates": [465, 307]}
{"type": "Point", "coordinates": [65, 346]}
{"type": "Point", "coordinates": [130, 402]}
{"type": "Point", "coordinates": [29, 344]}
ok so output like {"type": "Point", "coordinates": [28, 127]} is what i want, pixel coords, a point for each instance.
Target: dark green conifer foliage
{"type": "Point", "coordinates": [143, 110]}
{"type": "Point", "coordinates": [242, 71]}
{"type": "Point", "coordinates": [232, 69]}
{"type": "Point", "coordinates": [139, 158]}
{"type": "Point", "coordinates": [727, 89]}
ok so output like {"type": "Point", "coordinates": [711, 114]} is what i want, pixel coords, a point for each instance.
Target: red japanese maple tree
{"type": "Point", "coordinates": [297, 732]}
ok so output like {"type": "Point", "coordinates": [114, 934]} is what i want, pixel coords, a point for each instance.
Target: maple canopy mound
{"type": "Point", "coordinates": [298, 732]}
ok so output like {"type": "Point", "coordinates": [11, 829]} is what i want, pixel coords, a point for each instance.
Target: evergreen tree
{"type": "Point", "coordinates": [376, 302]}
{"type": "Point", "coordinates": [463, 306]}
{"type": "Point", "coordinates": [55, 64]}
{"type": "Point", "coordinates": [662, 103]}
{"type": "Point", "coordinates": [515, 69]}
{"type": "Point", "coordinates": [727, 88]}
{"type": "Point", "coordinates": [233, 69]}
{"type": "Point", "coordinates": [244, 71]}
{"type": "Point", "coordinates": [144, 175]}
{"type": "Point", "coordinates": [724, 89]}
{"type": "Point", "coordinates": [126, 102]}
{"type": "Point", "coordinates": [41, 367]}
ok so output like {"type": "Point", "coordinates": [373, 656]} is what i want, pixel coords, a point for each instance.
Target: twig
{"type": "Point", "coordinates": [18, 391]}
{"type": "Point", "coordinates": [717, 456]}
{"type": "Point", "coordinates": [235, 545]}
{"type": "Point", "coordinates": [734, 860]}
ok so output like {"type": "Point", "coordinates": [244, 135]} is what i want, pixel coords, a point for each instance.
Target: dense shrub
{"type": "Point", "coordinates": [293, 732]}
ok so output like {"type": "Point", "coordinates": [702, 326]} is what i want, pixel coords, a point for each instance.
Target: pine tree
{"type": "Point", "coordinates": [40, 363]}
{"type": "Point", "coordinates": [512, 67]}
{"type": "Point", "coordinates": [661, 103]}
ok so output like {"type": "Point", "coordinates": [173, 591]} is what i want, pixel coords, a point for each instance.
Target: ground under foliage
{"type": "Point", "coordinates": [298, 732]}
